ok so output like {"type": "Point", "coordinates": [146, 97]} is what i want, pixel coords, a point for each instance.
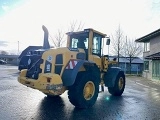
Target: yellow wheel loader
{"type": "Point", "coordinates": [80, 68]}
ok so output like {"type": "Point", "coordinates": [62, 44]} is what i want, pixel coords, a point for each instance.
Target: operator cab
{"type": "Point", "coordinates": [89, 40]}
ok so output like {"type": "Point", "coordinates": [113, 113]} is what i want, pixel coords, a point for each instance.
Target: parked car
{"type": "Point", "coordinates": [3, 62]}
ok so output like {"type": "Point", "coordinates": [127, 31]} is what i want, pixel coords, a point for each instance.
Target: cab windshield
{"type": "Point", "coordinates": [79, 40]}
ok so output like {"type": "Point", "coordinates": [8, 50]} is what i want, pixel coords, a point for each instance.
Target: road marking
{"type": "Point", "coordinates": [142, 85]}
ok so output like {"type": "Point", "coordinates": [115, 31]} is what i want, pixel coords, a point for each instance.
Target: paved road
{"type": "Point", "coordinates": [140, 101]}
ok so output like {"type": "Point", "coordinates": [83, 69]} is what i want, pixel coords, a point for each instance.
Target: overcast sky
{"type": "Point", "coordinates": [21, 20]}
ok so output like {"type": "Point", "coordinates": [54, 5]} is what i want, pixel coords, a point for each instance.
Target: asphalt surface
{"type": "Point", "coordinates": [140, 101]}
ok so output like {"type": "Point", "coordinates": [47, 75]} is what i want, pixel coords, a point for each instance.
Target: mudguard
{"type": "Point", "coordinates": [110, 76]}
{"type": "Point", "coordinates": [69, 75]}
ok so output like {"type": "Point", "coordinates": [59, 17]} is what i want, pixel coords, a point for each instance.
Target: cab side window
{"type": "Point", "coordinates": [96, 46]}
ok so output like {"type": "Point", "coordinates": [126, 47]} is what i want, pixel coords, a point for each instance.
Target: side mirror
{"type": "Point", "coordinates": [108, 41]}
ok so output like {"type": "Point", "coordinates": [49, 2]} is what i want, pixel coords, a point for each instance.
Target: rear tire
{"type": "Point", "coordinates": [119, 85]}
{"type": "Point", "coordinates": [84, 92]}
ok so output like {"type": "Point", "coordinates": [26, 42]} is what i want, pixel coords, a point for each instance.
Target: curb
{"type": "Point", "coordinates": [145, 79]}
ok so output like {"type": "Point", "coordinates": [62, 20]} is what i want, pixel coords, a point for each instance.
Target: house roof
{"type": "Point", "coordinates": [8, 56]}
{"type": "Point", "coordinates": [154, 56]}
{"type": "Point", "coordinates": [126, 59]}
{"type": "Point", "coordinates": [149, 36]}
{"type": "Point", "coordinates": [135, 60]}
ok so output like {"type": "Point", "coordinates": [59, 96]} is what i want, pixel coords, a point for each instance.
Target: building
{"type": "Point", "coordinates": [151, 55]}
{"type": "Point", "coordinates": [136, 65]}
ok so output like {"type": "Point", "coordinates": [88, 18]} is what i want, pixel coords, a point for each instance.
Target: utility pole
{"type": "Point", "coordinates": [18, 47]}
{"type": "Point", "coordinates": [118, 49]}
{"type": "Point", "coordinates": [125, 55]}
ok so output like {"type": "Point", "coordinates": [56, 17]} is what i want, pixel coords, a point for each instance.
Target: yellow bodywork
{"type": "Point", "coordinates": [80, 68]}
{"type": "Point", "coordinates": [96, 59]}
{"type": "Point", "coordinates": [42, 82]}
{"type": "Point", "coordinates": [50, 83]}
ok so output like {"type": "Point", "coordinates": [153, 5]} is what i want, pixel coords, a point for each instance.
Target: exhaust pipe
{"type": "Point", "coordinates": [45, 42]}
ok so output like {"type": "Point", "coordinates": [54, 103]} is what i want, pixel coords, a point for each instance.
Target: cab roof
{"type": "Point", "coordinates": [86, 30]}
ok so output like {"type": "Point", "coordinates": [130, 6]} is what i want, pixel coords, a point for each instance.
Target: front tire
{"type": "Point", "coordinates": [84, 92]}
{"type": "Point", "coordinates": [119, 85]}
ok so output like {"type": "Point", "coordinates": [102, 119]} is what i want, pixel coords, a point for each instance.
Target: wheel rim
{"type": "Point", "coordinates": [121, 83]}
{"type": "Point", "coordinates": [89, 90]}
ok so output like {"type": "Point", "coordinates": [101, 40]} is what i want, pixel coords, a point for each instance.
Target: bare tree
{"type": "Point", "coordinates": [118, 42]}
{"type": "Point", "coordinates": [132, 50]}
{"type": "Point", "coordinates": [3, 52]}
{"type": "Point", "coordinates": [58, 38]}
{"type": "Point", "coordinates": [75, 26]}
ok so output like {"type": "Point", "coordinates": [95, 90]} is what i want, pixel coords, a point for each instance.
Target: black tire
{"type": "Point", "coordinates": [76, 93]}
{"type": "Point", "coordinates": [117, 90]}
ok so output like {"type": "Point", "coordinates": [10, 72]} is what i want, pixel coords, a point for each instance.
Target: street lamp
{"type": "Point", "coordinates": [125, 56]}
